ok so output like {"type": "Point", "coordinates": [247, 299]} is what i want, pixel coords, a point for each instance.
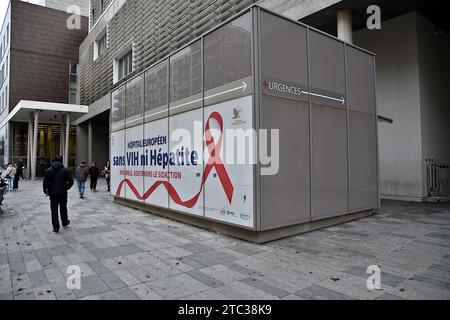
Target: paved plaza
{"type": "Point", "coordinates": [127, 254]}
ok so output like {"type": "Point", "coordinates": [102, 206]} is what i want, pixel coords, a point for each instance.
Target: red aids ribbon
{"type": "Point", "coordinates": [214, 161]}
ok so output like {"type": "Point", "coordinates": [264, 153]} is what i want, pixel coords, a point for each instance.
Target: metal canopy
{"type": "Point", "coordinates": [49, 112]}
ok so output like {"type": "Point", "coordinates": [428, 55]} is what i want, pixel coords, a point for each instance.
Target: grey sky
{"type": "Point", "coordinates": [4, 7]}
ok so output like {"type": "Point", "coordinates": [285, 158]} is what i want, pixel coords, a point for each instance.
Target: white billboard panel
{"type": "Point", "coordinates": [229, 184]}
{"type": "Point", "coordinates": [118, 159]}
{"type": "Point", "coordinates": [134, 166]}
{"type": "Point", "coordinates": [186, 162]}
{"type": "Point", "coordinates": [161, 162]}
{"type": "Point", "coordinates": [156, 181]}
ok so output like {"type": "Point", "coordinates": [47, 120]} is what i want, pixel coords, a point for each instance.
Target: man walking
{"type": "Point", "coordinates": [81, 174]}
{"type": "Point", "coordinates": [57, 181]}
{"type": "Point", "coordinates": [94, 173]}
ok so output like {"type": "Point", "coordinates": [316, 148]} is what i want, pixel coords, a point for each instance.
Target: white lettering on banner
{"type": "Point", "coordinates": [297, 91]}
{"type": "Point", "coordinates": [283, 88]}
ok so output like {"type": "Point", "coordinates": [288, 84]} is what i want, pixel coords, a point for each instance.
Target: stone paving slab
{"type": "Point", "coordinates": [127, 254]}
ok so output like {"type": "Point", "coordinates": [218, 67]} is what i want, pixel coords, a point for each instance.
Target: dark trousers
{"type": "Point", "coordinates": [94, 183]}
{"type": "Point", "coordinates": [16, 182]}
{"type": "Point", "coordinates": [59, 200]}
{"type": "Point", "coordinates": [108, 182]}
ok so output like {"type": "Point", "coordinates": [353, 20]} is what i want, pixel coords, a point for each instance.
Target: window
{"type": "Point", "coordinates": [101, 46]}
{"type": "Point", "coordinates": [73, 85]}
{"type": "Point", "coordinates": [6, 66]}
{"type": "Point", "coordinates": [123, 65]}
{"type": "Point", "coordinates": [101, 43]}
{"type": "Point", "coordinates": [126, 65]}
{"type": "Point", "coordinates": [7, 34]}
{"type": "Point", "coordinates": [102, 6]}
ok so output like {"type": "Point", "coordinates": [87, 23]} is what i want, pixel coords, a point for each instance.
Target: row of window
{"type": "Point", "coordinates": [73, 83]}
{"type": "Point", "coordinates": [5, 43]}
{"type": "Point", "coordinates": [4, 99]}
{"type": "Point", "coordinates": [102, 8]}
{"type": "Point", "coordinates": [4, 71]}
{"type": "Point", "coordinates": [223, 57]}
{"type": "Point", "coordinates": [123, 64]}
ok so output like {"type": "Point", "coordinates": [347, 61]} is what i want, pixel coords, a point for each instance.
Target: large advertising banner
{"type": "Point", "coordinates": [118, 163]}
{"type": "Point", "coordinates": [156, 172]}
{"type": "Point", "coordinates": [134, 163]}
{"type": "Point", "coordinates": [163, 162]}
{"type": "Point", "coordinates": [229, 168]}
{"type": "Point", "coordinates": [186, 162]}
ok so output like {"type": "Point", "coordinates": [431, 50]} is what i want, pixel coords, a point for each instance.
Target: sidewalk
{"type": "Point", "coordinates": [127, 254]}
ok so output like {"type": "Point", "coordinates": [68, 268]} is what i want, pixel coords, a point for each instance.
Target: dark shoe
{"type": "Point", "coordinates": [67, 224]}
{"type": "Point", "coordinates": [55, 230]}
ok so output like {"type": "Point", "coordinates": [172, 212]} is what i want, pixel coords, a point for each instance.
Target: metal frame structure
{"type": "Point", "coordinates": [255, 12]}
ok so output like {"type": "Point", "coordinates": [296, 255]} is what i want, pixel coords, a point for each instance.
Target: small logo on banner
{"type": "Point", "coordinates": [244, 216]}
{"type": "Point", "coordinates": [236, 113]}
{"type": "Point", "coordinates": [236, 117]}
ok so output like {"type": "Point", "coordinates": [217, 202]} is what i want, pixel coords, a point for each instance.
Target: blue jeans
{"type": "Point", "coordinates": [10, 183]}
{"type": "Point", "coordinates": [81, 187]}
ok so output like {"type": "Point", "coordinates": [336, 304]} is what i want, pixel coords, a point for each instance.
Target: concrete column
{"type": "Point", "coordinates": [66, 152]}
{"type": "Point", "coordinates": [90, 137]}
{"type": "Point", "coordinates": [345, 25]}
{"type": "Point", "coordinates": [62, 138]}
{"type": "Point", "coordinates": [35, 145]}
{"type": "Point", "coordinates": [30, 144]}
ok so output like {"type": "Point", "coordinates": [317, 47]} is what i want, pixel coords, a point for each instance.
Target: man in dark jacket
{"type": "Point", "coordinates": [94, 172]}
{"type": "Point", "coordinates": [57, 181]}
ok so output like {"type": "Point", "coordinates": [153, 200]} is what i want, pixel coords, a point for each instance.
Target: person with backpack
{"type": "Point", "coordinates": [94, 173]}
{"type": "Point", "coordinates": [9, 175]}
{"type": "Point", "coordinates": [81, 174]}
{"type": "Point", "coordinates": [57, 181]}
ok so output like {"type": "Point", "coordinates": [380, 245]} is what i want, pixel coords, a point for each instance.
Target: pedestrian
{"type": "Point", "coordinates": [42, 168]}
{"type": "Point", "coordinates": [16, 178]}
{"type": "Point", "coordinates": [107, 172]}
{"type": "Point", "coordinates": [94, 173]}
{"type": "Point", "coordinates": [57, 181]}
{"type": "Point", "coordinates": [9, 175]}
{"type": "Point", "coordinates": [20, 170]}
{"type": "Point", "coordinates": [81, 174]}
